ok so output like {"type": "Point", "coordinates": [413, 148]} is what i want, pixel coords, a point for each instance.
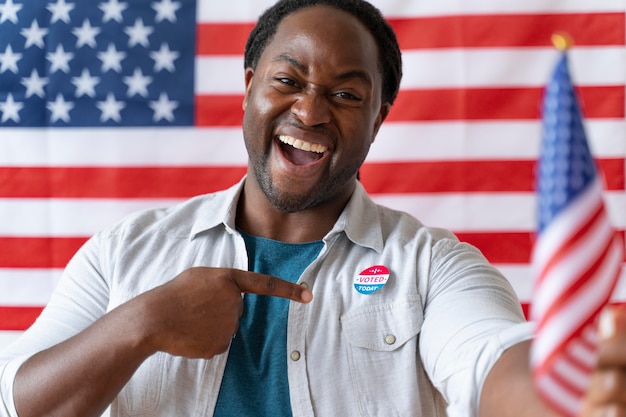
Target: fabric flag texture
{"type": "Point", "coordinates": [577, 257]}
{"type": "Point", "coordinates": [113, 106]}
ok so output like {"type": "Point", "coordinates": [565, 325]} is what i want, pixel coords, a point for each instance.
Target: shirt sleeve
{"type": "Point", "coordinates": [472, 315]}
{"type": "Point", "coordinates": [80, 298]}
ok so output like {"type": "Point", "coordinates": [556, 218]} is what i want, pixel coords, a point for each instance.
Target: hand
{"type": "Point", "coordinates": [197, 313]}
{"type": "Point", "coordinates": [607, 393]}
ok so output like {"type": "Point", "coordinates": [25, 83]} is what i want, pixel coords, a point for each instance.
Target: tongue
{"type": "Point", "coordinates": [299, 157]}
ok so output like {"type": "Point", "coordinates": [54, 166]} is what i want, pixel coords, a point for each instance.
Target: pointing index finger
{"type": "Point", "coordinates": [255, 283]}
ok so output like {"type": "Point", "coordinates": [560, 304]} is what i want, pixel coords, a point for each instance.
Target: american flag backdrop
{"type": "Point", "coordinates": [111, 106]}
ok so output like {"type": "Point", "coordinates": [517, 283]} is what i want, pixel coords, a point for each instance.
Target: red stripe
{"type": "Point", "coordinates": [464, 31]}
{"type": "Point", "coordinates": [18, 318]}
{"type": "Point", "coordinates": [445, 104]}
{"type": "Point", "coordinates": [115, 182]}
{"type": "Point", "coordinates": [181, 182]}
{"type": "Point", "coordinates": [38, 252]}
{"type": "Point", "coordinates": [222, 38]}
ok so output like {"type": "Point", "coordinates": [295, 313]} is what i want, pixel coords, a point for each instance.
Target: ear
{"type": "Point", "coordinates": [248, 85]}
{"type": "Point", "coordinates": [382, 115]}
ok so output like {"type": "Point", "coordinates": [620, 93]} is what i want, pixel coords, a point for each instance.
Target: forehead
{"type": "Point", "coordinates": [325, 33]}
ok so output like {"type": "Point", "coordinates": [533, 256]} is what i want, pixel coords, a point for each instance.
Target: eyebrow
{"type": "Point", "coordinates": [341, 77]}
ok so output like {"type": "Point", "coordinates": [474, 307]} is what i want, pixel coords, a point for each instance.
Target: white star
{"type": "Point", "coordinates": [165, 9]}
{"type": "Point", "coordinates": [111, 59]}
{"type": "Point", "coordinates": [35, 84]}
{"type": "Point", "coordinates": [86, 34]}
{"type": "Point", "coordinates": [138, 34]}
{"type": "Point", "coordinates": [34, 35]}
{"type": "Point", "coordinates": [8, 11]}
{"type": "Point", "coordinates": [60, 109]}
{"type": "Point", "coordinates": [10, 109]}
{"type": "Point", "coordinates": [164, 58]}
{"type": "Point", "coordinates": [85, 84]}
{"type": "Point", "coordinates": [9, 60]}
{"type": "Point", "coordinates": [163, 108]}
{"type": "Point", "coordinates": [60, 11]}
{"type": "Point", "coordinates": [110, 108]}
{"type": "Point", "coordinates": [59, 59]}
{"type": "Point", "coordinates": [112, 10]}
{"type": "Point", "coordinates": [137, 83]}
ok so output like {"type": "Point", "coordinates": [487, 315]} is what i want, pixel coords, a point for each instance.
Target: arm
{"type": "Point", "coordinates": [194, 315]}
{"type": "Point", "coordinates": [606, 395]}
{"type": "Point", "coordinates": [508, 390]}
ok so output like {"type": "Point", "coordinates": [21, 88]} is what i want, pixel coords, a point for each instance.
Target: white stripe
{"type": "Point", "coordinates": [581, 351]}
{"type": "Point", "coordinates": [66, 217]}
{"type": "Point", "coordinates": [492, 67]}
{"type": "Point", "coordinates": [6, 337]}
{"type": "Point", "coordinates": [249, 10]}
{"type": "Point", "coordinates": [521, 278]}
{"type": "Point", "coordinates": [27, 287]}
{"type": "Point", "coordinates": [396, 142]}
{"type": "Point", "coordinates": [579, 258]}
{"type": "Point", "coordinates": [560, 326]}
{"type": "Point", "coordinates": [559, 394]}
{"type": "Point", "coordinates": [472, 212]}
{"type": "Point", "coordinates": [562, 227]}
{"type": "Point", "coordinates": [570, 373]}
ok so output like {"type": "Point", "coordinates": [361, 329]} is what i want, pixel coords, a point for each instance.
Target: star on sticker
{"type": "Point", "coordinates": [86, 34]}
{"type": "Point", "coordinates": [9, 60]}
{"type": "Point", "coordinates": [137, 83]}
{"type": "Point", "coordinates": [112, 10]}
{"type": "Point", "coordinates": [138, 34]}
{"type": "Point", "coordinates": [164, 58]}
{"type": "Point", "coordinates": [60, 11]}
{"type": "Point", "coordinates": [166, 10]}
{"type": "Point", "coordinates": [110, 108]}
{"type": "Point", "coordinates": [111, 59]}
{"type": "Point", "coordinates": [85, 84]}
{"type": "Point", "coordinates": [10, 109]}
{"type": "Point", "coordinates": [35, 84]}
{"type": "Point", "coordinates": [8, 11]}
{"type": "Point", "coordinates": [163, 108]}
{"type": "Point", "coordinates": [59, 59]}
{"type": "Point", "coordinates": [60, 109]}
{"type": "Point", "coordinates": [34, 35]}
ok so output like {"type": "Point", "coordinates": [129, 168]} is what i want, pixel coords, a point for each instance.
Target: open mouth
{"type": "Point", "coordinates": [300, 152]}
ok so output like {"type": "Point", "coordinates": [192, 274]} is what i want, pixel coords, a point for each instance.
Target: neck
{"type": "Point", "coordinates": [258, 217]}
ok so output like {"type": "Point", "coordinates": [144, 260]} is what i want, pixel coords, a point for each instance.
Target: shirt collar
{"type": "Point", "coordinates": [360, 219]}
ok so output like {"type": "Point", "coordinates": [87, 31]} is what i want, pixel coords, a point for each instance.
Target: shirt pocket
{"type": "Point", "coordinates": [383, 356]}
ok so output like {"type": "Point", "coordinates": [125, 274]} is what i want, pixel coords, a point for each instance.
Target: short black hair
{"type": "Point", "coordinates": [389, 57]}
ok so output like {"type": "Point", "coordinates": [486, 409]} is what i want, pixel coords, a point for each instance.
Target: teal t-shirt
{"type": "Point", "coordinates": [255, 380]}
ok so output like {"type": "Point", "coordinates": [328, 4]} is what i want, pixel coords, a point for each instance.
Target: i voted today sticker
{"type": "Point", "coordinates": [371, 279]}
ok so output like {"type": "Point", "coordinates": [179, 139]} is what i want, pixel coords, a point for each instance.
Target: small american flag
{"type": "Point", "coordinates": [577, 256]}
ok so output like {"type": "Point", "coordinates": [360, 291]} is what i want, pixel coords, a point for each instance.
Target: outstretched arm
{"type": "Point", "coordinates": [508, 390]}
{"type": "Point", "coordinates": [195, 315]}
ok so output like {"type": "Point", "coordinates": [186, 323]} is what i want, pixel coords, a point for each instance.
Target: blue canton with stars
{"type": "Point", "coordinates": [566, 167]}
{"type": "Point", "coordinates": [108, 63]}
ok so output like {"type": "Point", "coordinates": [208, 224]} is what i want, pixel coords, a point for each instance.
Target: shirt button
{"type": "Point", "coordinates": [295, 355]}
{"type": "Point", "coordinates": [305, 285]}
{"type": "Point", "coordinates": [390, 339]}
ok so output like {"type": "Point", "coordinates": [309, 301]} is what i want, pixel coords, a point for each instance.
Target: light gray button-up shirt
{"type": "Point", "coordinates": [420, 345]}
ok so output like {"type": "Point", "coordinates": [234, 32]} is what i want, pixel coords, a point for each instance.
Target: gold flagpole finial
{"type": "Point", "coordinates": [562, 41]}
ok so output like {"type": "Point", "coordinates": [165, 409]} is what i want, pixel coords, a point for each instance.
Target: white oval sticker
{"type": "Point", "coordinates": [371, 279]}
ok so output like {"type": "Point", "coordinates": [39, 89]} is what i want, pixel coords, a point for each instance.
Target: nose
{"type": "Point", "coordinates": [312, 108]}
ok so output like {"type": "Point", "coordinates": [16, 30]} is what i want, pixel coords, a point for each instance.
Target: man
{"type": "Point", "coordinates": [382, 316]}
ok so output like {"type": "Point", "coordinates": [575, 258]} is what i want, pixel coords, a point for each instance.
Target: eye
{"type": "Point", "coordinates": [286, 81]}
{"type": "Point", "coordinates": [347, 96]}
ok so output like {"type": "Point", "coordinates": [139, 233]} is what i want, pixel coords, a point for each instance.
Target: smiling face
{"type": "Point", "coordinates": [312, 109]}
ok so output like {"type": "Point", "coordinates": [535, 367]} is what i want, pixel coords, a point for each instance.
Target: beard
{"type": "Point", "coordinates": [284, 199]}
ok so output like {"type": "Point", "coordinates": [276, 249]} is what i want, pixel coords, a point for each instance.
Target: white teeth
{"type": "Point", "coordinates": [302, 145]}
